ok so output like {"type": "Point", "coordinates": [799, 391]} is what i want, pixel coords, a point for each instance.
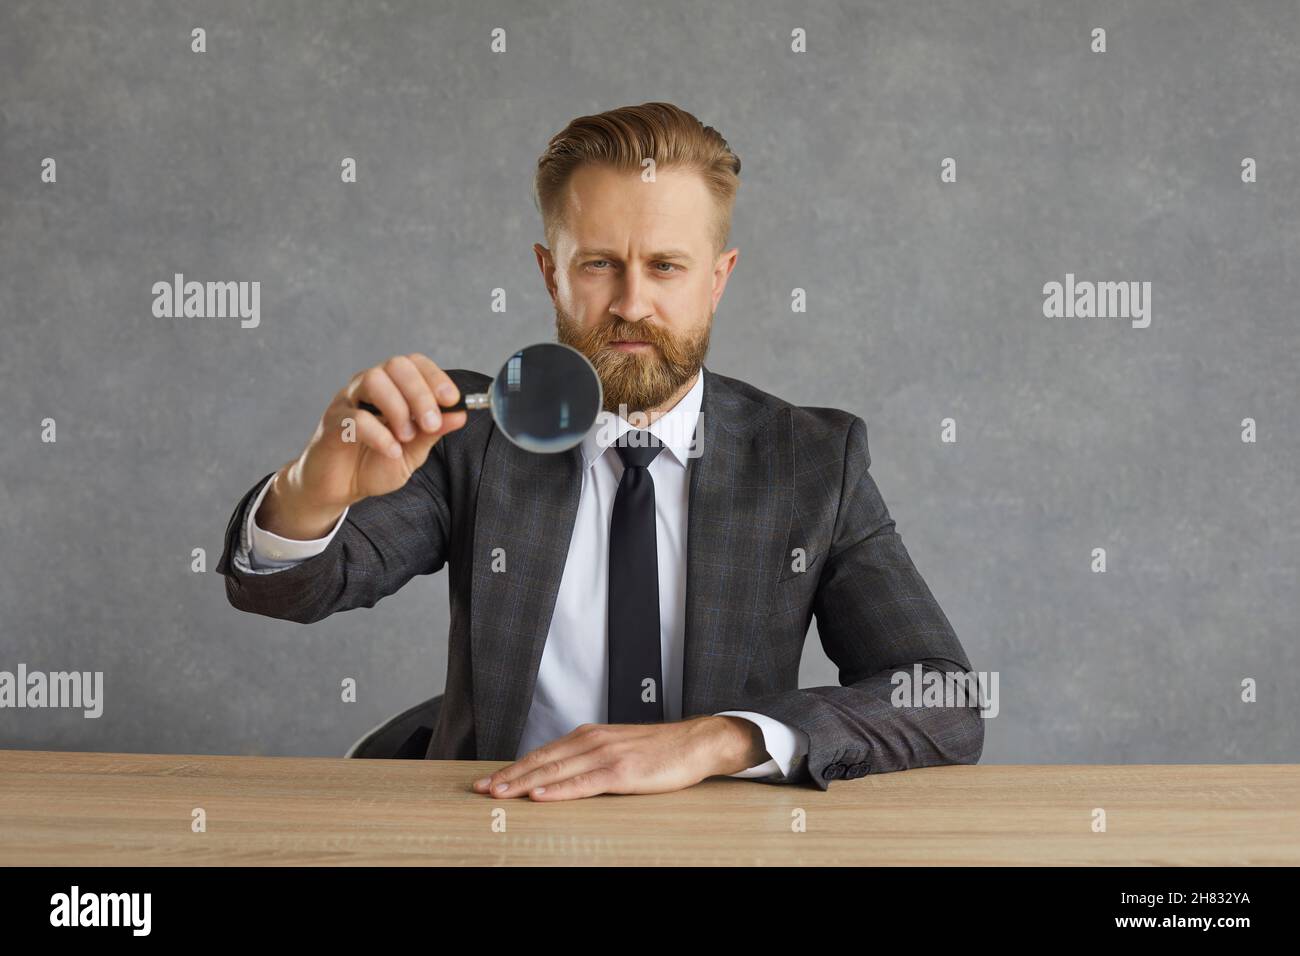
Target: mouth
{"type": "Point", "coordinates": [630, 345]}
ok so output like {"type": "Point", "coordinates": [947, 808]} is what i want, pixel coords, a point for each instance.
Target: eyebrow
{"type": "Point", "coordinates": [679, 254]}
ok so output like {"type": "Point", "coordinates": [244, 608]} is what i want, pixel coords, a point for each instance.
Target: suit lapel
{"type": "Point", "coordinates": [741, 497]}
{"type": "Point", "coordinates": [527, 505]}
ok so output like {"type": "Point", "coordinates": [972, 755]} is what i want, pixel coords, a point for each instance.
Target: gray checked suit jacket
{"type": "Point", "coordinates": [772, 477]}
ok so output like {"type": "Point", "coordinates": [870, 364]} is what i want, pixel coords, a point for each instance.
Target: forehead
{"type": "Point", "coordinates": [606, 206]}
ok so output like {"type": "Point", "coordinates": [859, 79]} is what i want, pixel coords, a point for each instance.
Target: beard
{"type": "Point", "coordinates": [642, 380]}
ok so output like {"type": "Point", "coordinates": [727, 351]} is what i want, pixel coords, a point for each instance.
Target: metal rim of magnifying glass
{"type": "Point", "coordinates": [600, 390]}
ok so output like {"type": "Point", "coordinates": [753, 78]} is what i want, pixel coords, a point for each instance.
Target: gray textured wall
{"type": "Point", "coordinates": [925, 302]}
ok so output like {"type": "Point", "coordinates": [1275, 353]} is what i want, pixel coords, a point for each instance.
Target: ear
{"type": "Point", "coordinates": [722, 271]}
{"type": "Point", "coordinates": [546, 263]}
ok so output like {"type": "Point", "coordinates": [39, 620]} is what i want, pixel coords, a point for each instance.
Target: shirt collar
{"type": "Point", "coordinates": [675, 430]}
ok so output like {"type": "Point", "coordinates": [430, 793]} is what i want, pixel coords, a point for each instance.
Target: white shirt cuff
{"type": "Point", "coordinates": [269, 551]}
{"type": "Point", "coordinates": [784, 745]}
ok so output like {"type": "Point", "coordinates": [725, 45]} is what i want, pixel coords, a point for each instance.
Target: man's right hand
{"type": "Point", "coordinates": [308, 494]}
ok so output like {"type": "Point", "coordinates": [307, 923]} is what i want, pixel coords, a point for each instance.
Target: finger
{"type": "Point", "coordinates": [583, 738]}
{"type": "Point", "coordinates": [376, 387]}
{"type": "Point", "coordinates": [373, 433]}
{"type": "Point", "coordinates": [450, 394]}
{"type": "Point", "coordinates": [439, 381]}
{"type": "Point", "coordinates": [587, 784]}
{"type": "Point", "coordinates": [416, 391]}
{"type": "Point", "coordinates": [550, 772]}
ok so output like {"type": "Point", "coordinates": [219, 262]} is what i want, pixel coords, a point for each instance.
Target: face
{"type": "Point", "coordinates": [635, 281]}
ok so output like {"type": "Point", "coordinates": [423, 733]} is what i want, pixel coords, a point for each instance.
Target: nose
{"type": "Point", "coordinates": [631, 303]}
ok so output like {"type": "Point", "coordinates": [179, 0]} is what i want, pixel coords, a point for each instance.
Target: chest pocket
{"type": "Point", "coordinates": [801, 557]}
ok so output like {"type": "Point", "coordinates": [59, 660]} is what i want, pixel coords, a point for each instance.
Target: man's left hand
{"type": "Point", "coordinates": [630, 758]}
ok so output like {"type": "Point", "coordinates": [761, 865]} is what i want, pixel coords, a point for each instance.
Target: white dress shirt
{"type": "Point", "coordinates": [572, 680]}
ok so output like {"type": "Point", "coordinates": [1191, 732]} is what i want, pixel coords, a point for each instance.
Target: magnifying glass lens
{"type": "Point", "coordinates": [546, 397]}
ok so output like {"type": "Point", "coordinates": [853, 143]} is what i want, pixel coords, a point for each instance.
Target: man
{"type": "Point", "coordinates": [627, 617]}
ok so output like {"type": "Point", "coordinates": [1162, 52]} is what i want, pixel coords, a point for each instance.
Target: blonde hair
{"type": "Point", "coordinates": [622, 139]}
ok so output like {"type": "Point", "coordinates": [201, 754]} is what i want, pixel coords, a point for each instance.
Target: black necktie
{"type": "Point", "coordinates": [634, 653]}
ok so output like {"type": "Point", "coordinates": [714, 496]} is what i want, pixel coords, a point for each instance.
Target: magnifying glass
{"type": "Point", "coordinates": [545, 398]}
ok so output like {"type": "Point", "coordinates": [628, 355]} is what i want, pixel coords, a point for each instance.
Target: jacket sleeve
{"type": "Point", "coordinates": [876, 618]}
{"type": "Point", "coordinates": [382, 543]}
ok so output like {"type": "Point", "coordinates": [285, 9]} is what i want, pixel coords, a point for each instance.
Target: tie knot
{"type": "Point", "coordinates": [638, 452]}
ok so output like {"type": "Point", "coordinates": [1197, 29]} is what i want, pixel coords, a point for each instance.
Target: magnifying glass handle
{"type": "Point", "coordinates": [467, 403]}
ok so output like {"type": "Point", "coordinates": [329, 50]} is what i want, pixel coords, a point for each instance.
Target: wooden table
{"type": "Point", "coordinates": [84, 809]}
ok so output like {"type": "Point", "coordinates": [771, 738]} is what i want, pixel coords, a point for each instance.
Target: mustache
{"type": "Point", "coordinates": [617, 334]}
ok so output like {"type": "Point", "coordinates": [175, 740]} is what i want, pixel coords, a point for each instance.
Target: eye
{"type": "Point", "coordinates": [594, 261]}
{"type": "Point", "coordinates": [668, 264]}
